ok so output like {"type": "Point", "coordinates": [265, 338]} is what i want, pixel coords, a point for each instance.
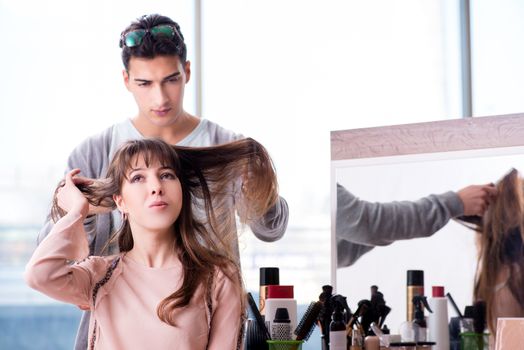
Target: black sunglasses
{"type": "Point", "coordinates": [136, 37]}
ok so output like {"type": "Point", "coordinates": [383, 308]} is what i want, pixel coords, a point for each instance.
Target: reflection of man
{"type": "Point", "coordinates": [363, 225]}
{"type": "Point", "coordinates": [377, 298]}
{"type": "Point", "coordinates": [379, 309]}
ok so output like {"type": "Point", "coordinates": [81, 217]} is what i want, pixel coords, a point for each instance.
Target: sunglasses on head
{"type": "Point", "coordinates": [136, 37]}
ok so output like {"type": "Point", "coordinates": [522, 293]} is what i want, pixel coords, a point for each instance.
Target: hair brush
{"type": "Point", "coordinates": [307, 323]}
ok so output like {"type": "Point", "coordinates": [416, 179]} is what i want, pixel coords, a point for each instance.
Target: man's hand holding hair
{"type": "Point", "coordinates": [476, 198]}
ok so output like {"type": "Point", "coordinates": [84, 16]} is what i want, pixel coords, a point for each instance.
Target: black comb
{"type": "Point", "coordinates": [307, 323]}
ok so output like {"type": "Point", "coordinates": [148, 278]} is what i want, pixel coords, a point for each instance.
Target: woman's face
{"type": "Point", "coordinates": [150, 196]}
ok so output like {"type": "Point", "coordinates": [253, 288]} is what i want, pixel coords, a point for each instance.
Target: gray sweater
{"type": "Point", "coordinates": [361, 225]}
{"type": "Point", "coordinates": [92, 157]}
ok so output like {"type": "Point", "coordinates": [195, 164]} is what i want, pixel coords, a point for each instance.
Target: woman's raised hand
{"type": "Point", "coordinates": [69, 196]}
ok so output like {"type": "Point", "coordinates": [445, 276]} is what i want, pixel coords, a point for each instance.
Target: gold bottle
{"type": "Point", "coordinates": [415, 286]}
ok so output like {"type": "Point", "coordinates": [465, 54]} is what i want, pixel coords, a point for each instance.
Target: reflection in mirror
{"type": "Point", "coordinates": [449, 257]}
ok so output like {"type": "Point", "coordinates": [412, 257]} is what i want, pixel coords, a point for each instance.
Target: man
{"type": "Point", "coordinates": [155, 72]}
{"type": "Point", "coordinates": [362, 225]}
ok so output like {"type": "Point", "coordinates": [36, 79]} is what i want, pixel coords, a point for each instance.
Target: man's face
{"type": "Point", "coordinates": [158, 87]}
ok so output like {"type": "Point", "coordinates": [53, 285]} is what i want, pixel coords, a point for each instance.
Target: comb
{"type": "Point", "coordinates": [307, 323]}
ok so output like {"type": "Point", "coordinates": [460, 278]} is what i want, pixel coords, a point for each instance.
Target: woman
{"type": "Point", "coordinates": [499, 282]}
{"type": "Point", "coordinates": [175, 283]}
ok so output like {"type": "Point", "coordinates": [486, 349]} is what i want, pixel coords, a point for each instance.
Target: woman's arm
{"type": "Point", "coordinates": [53, 269]}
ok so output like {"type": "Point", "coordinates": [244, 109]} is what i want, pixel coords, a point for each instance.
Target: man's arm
{"type": "Point", "coordinates": [361, 225]}
{"type": "Point", "coordinates": [273, 224]}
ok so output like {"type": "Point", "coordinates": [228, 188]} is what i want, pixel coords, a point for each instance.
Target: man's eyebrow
{"type": "Point", "coordinates": [142, 80]}
{"type": "Point", "coordinates": [171, 76]}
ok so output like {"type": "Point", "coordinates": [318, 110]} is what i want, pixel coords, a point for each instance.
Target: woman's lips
{"type": "Point", "coordinates": [158, 204]}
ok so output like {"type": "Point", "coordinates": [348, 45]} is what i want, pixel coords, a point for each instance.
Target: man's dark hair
{"type": "Point", "coordinates": [153, 47]}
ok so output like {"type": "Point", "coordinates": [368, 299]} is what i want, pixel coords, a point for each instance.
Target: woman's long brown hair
{"type": "Point", "coordinates": [501, 244]}
{"type": "Point", "coordinates": [215, 181]}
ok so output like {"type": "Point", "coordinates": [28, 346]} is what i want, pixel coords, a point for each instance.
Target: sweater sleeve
{"type": "Point", "coordinates": [226, 320]}
{"type": "Point", "coordinates": [273, 224]}
{"type": "Point", "coordinates": [59, 266]}
{"type": "Point", "coordinates": [361, 225]}
{"type": "Point", "coordinates": [91, 158]}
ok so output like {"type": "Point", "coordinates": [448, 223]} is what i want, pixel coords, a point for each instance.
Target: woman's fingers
{"type": "Point", "coordinates": [69, 196]}
{"type": "Point", "coordinates": [69, 177]}
{"type": "Point", "coordinates": [80, 180]}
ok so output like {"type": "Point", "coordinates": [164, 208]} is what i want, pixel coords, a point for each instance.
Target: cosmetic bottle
{"type": "Point", "coordinates": [281, 326]}
{"type": "Point", "coordinates": [438, 320]}
{"type": "Point", "coordinates": [467, 322]}
{"type": "Point", "coordinates": [472, 326]}
{"type": "Point", "coordinates": [416, 330]}
{"type": "Point", "coordinates": [414, 287]}
{"type": "Point", "coordinates": [419, 302]}
{"type": "Point", "coordinates": [268, 276]}
{"type": "Point", "coordinates": [324, 317]}
{"type": "Point", "coordinates": [280, 297]}
{"type": "Point", "coordinates": [357, 342]}
{"type": "Point", "coordinates": [337, 330]}
{"type": "Point", "coordinates": [371, 342]}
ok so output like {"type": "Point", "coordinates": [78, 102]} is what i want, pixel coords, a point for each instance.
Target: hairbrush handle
{"type": "Point", "coordinates": [258, 316]}
{"type": "Point", "coordinates": [457, 310]}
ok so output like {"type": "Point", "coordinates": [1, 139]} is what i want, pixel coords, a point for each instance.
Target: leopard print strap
{"type": "Point", "coordinates": [96, 288]}
{"type": "Point", "coordinates": [209, 302]}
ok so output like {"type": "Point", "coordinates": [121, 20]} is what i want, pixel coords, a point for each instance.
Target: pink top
{"type": "Point", "coordinates": [125, 306]}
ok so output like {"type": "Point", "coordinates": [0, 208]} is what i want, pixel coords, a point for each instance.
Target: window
{"type": "Point", "coordinates": [62, 82]}
{"type": "Point", "coordinates": [497, 55]}
{"type": "Point", "coordinates": [287, 73]}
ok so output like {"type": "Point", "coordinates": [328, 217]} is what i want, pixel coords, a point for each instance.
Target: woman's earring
{"type": "Point", "coordinates": [123, 216]}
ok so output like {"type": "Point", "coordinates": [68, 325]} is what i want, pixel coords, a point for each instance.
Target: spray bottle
{"type": "Point", "coordinates": [420, 302]}
{"type": "Point", "coordinates": [416, 330]}
{"type": "Point", "coordinates": [337, 330]}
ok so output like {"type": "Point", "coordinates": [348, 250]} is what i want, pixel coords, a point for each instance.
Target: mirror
{"type": "Point", "coordinates": [408, 162]}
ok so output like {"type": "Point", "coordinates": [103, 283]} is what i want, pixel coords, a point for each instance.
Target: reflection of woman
{"type": "Point", "coordinates": [500, 275]}
{"type": "Point", "coordinates": [176, 283]}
